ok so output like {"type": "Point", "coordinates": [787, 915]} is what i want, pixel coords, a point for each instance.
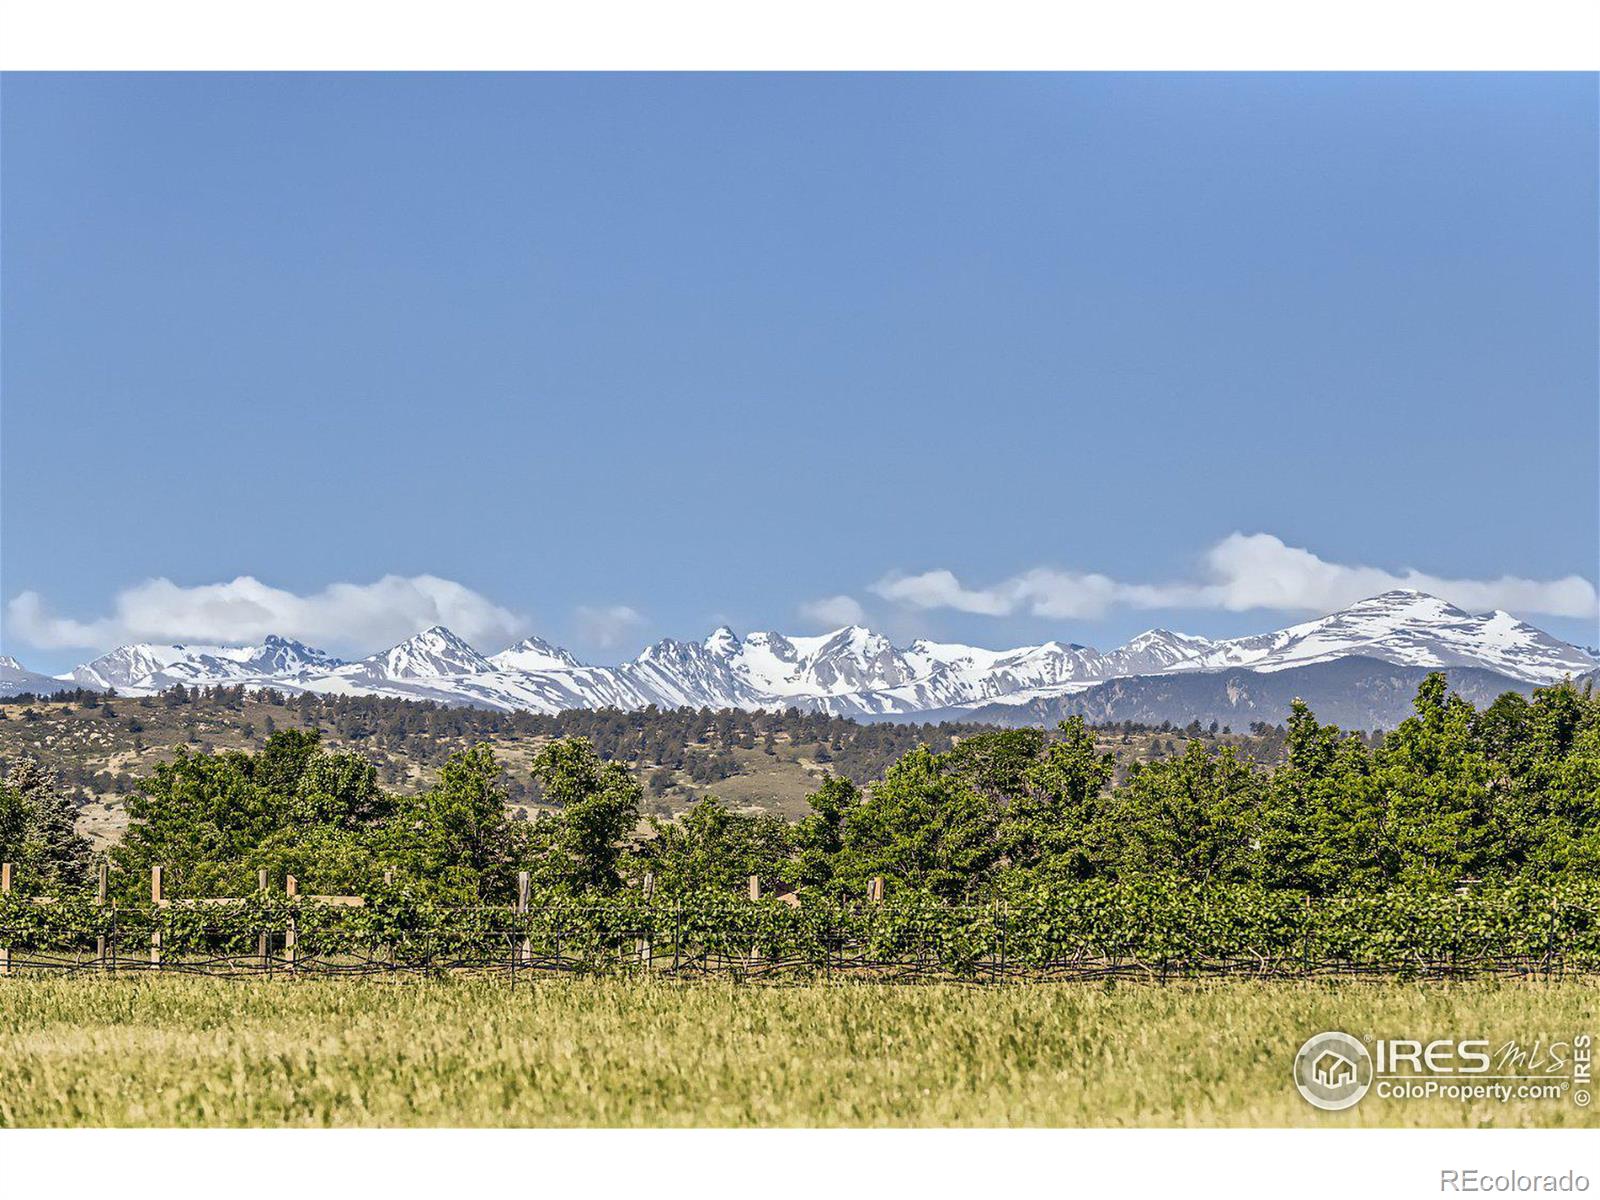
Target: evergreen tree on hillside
{"type": "Point", "coordinates": [1323, 812]}
{"type": "Point", "coordinates": [38, 832]}
{"type": "Point", "coordinates": [1438, 825]}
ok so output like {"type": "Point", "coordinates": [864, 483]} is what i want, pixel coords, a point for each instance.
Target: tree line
{"type": "Point", "coordinates": [699, 742]}
{"type": "Point", "coordinates": [1451, 796]}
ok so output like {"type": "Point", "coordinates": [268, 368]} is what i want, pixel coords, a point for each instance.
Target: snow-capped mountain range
{"type": "Point", "coordinates": [849, 672]}
{"type": "Point", "coordinates": [140, 667]}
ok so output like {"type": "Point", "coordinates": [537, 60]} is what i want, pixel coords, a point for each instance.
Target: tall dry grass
{"type": "Point", "coordinates": [195, 1051]}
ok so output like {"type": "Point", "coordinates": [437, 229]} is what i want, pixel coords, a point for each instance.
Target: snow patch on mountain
{"type": "Point", "coordinates": [147, 667]}
{"type": "Point", "coordinates": [534, 654]}
{"type": "Point", "coordinates": [432, 654]}
{"type": "Point", "coordinates": [16, 678]}
{"type": "Point", "coordinates": [1406, 628]}
{"type": "Point", "coordinates": [852, 659]}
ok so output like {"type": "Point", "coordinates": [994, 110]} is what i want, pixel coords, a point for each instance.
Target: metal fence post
{"type": "Point", "coordinates": [1555, 927]}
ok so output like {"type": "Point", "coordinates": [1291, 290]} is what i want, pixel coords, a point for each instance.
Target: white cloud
{"type": "Point", "coordinates": [607, 625]}
{"type": "Point", "coordinates": [342, 616]}
{"type": "Point", "coordinates": [1259, 571]}
{"type": "Point", "coordinates": [833, 611]}
{"type": "Point", "coordinates": [1241, 572]}
{"type": "Point", "coordinates": [941, 589]}
{"type": "Point", "coordinates": [1043, 591]}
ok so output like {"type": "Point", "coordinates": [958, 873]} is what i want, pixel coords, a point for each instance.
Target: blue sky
{"type": "Point", "coordinates": [995, 358]}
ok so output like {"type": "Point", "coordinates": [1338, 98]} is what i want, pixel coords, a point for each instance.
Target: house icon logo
{"type": "Point", "coordinates": [1333, 1071]}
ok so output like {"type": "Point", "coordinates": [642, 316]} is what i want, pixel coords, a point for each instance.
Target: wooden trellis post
{"type": "Point", "coordinates": [755, 894]}
{"type": "Point", "coordinates": [1305, 940]}
{"type": "Point", "coordinates": [645, 948]}
{"type": "Point", "coordinates": [1555, 933]}
{"type": "Point", "coordinates": [263, 939]}
{"type": "Point", "coordinates": [874, 898]}
{"type": "Point", "coordinates": [5, 890]}
{"type": "Point", "coordinates": [155, 922]}
{"type": "Point", "coordinates": [291, 889]}
{"type": "Point", "coordinates": [525, 949]}
{"type": "Point", "coordinates": [388, 947]}
{"type": "Point", "coordinates": [100, 888]}
{"type": "Point", "coordinates": [677, 934]}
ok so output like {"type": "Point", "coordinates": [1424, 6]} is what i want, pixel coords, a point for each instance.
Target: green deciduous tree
{"type": "Point", "coordinates": [210, 820]}
{"type": "Point", "coordinates": [819, 838]}
{"type": "Point", "coordinates": [1196, 816]}
{"type": "Point", "coordinates": [580, 847]}
{"type": "Point", "coordinates": [455, 838]}
{"type": "Point", "coordinates": [1055, 817]}
{"type": "Point", "coordinates": [712, 847]}
{"type": "Point", "coordinates": [924, 827]}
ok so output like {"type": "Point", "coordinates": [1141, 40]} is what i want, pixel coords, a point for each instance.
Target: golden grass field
{"type": "Point", "coordinates": [189, 1051]}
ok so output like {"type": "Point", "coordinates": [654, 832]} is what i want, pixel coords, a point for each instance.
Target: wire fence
{"type": "Point", "coordinates": [848, 960]}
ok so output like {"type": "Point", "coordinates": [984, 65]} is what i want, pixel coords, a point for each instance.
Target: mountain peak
{"type": "Point", "coordinates": [857, 637]}
{"type": "Point", "coordinates": [535, 654]}
{"type": "Point", "coordinates": [1404, 600]}
{"type": "Point", "coordinates": [723, 642]}
{"type": "Point", "coordinates": [672, 649]}
{"type": "Point", "coordinates": [433, 653]}
{"type": "Point", "coordinates": [1154, 651]}
{"type": "Point", "coordinates": [280, 655]}
{"type": "Point", "coordinates": [1150, 636]}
